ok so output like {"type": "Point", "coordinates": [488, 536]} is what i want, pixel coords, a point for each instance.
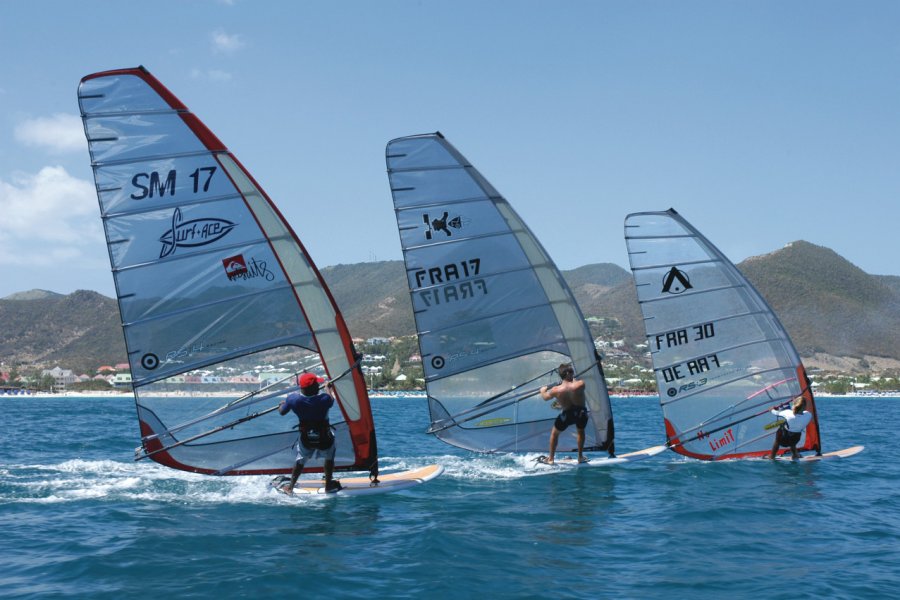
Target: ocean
{"type": "Point", "coordinates": [79, 518]}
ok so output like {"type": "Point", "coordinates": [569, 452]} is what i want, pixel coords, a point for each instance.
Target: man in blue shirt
{"type": "Point", "coordinates": [316, 438]}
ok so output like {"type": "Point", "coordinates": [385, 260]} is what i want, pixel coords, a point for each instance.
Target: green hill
{"type": "Point", "coordinates": [373, 297]}
{"type": "Point", "coordinates": [80, 331]}
{"type": "Point", "coordinates": [828, 305]}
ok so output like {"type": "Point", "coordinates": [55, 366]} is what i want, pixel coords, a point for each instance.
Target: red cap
{"type": "Point", "coordinates": [307, 379]}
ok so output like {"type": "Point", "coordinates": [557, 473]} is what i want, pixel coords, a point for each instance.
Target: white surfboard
{"type": "Point", "coordinates": [569, 462]}
{"type": "Point", "coordinates": [351, 486]}
{"type": "Point", "coordinates": [844, 453]}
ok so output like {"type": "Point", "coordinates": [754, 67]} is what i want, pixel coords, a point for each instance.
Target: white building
{"type": "Point", "coordinates": [62, 378]}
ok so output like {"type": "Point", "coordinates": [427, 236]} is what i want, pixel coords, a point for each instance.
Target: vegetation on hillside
{"type": "Point", "coordinates": [827, 304]}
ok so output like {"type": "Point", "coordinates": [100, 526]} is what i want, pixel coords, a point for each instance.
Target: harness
{"type": "Point", "coordinates": [316, 434]}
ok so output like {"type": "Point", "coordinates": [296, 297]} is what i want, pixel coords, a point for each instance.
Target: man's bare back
{"type": "Point", "coordinates": [569, 394]}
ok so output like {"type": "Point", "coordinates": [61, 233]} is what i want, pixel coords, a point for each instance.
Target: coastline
{"type": "Point", "coordinates": [377, 395]}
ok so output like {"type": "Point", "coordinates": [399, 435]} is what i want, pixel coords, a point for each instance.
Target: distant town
{"type": "Point", "coordinates": [389, 365]}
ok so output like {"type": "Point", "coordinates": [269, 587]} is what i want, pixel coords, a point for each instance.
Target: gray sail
{"type": "Point", "coordinates": [722, 359]}
{"type": "Point", "coordinates": [494, 316]}
{"type": "Point", "coordinates": [211, 282]}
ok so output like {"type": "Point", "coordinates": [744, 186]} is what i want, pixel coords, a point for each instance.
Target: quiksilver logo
{"type": "Point", "coordinates": [237, 267]}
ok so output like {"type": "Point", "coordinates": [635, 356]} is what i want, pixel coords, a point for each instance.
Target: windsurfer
{"type": "Point", "coordinates": [570, 396]}
{"type": "Point", "coordinates": [795, 419]}
{"type": "Point", "coordinates": [316, 438]}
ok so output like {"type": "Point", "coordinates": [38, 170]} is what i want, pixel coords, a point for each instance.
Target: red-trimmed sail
{"type": "Point", "coordinates": [219, 300]}
{"type": "Point", "coordinates": [722, 359]}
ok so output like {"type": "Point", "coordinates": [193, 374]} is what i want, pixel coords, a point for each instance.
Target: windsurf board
{"type": "Point", "coordinates": [569, 462]}
{"type": "Point", "coordinates": [844, 453]}
{"type": "Point", "coordinates": [351, 486]}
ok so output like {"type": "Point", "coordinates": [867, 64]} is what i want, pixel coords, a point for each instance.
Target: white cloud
{"type": "Point", "coordinates": [226, 44]}
{"type": "Point", "coordinates": [47, 217]}
{"type": "Point", "coordinates": [59, 133]}
{"type": "Point", "coordinates": [213, 75]}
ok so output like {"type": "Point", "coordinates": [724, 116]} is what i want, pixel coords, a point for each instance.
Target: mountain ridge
{"type": "Point", "coordinates": [834, 311]}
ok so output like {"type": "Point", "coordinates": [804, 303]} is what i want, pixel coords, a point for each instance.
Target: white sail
{"type": "Point", "coordinates": [494, 316]}
{"type": "Point", "coordinates": [211, 281]}
{"type": "Point", "coordinates": [722, 359]}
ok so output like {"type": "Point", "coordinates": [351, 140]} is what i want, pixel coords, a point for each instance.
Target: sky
{"type": "Point", "coordinates": [761, 122]}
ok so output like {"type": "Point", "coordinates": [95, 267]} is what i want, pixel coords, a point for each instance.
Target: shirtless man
{"type": "Point", "coordinates": [570, 396]}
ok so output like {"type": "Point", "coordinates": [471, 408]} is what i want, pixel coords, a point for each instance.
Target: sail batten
{"type": "Point", "coordinates": [448, 202]}
{"type": "Point", "coordinates": [685, 263]}
{"type": "Point", "coordinates": [681, 359]}
{"type": "Point", "coordinates": [146, 158]}
{"type": "Point", "coordinates": [491, 309]}
{"type": "Point", "coordinates": [701, 322]}
{"type": "Point", "coordinates": [460, 240]}
{"type": "Point", "coordinates": [721, 357]}
{"type": "Point", "coordinates": [213, 287]}
{"type": "Point", "coordinates": [161, 205]}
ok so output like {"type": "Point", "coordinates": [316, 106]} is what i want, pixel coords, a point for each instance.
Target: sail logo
{"type": "Point", "coordinates": [193, 233]}
{"type": "Point", "coordinates": [672, 392]}
{"type": "Point", "coordinates": [719, 443]}
{"type": "Point", "coordinates": [149, 361]}
{"type": "Point", "coordinates": [444, 224]}
{"type": "Point", "coordinates": [205, 346]}
{"type": "Point", "coordinates": [676, 282]}
{"type": "Point", "coordinates": [439, 362]}
{"type": "Point", "coordinates": [237, 267]}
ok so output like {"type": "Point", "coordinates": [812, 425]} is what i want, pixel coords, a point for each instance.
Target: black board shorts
{"type": "Point", "coordinates": [577, 416]}
{"type": "Point", "coordinates": [789, 438]}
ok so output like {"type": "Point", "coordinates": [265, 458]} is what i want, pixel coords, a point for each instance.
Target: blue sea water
{"type": "Point", "coordinates": [79, 518]}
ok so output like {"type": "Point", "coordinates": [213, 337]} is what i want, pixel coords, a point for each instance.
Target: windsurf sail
{"type": "Point", "coordinates": [494, 316]}
{"type": "Point", "coordinates": [215, 291]}
{"type": "Point", "coordinates": [721, 357]}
